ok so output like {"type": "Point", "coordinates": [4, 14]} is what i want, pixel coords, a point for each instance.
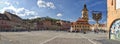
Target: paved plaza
{"type": "Point", "coordinates": [54, 37]}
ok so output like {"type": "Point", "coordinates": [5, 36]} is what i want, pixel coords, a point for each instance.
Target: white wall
{"type": "Point", "coordinates": [117, 4]}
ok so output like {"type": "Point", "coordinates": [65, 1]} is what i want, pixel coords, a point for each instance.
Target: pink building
{"type": "Point", "coordinates": [10, 21]}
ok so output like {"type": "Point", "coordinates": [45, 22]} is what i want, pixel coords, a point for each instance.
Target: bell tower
{"type": "Point", "coordinates": [85, 13]}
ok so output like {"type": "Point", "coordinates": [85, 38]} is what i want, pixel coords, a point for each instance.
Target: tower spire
{"type": "Point", "coordinates": [85, 8]}
{"type": "Point", "coordinates": [85, 12]}
{"type": "Point", "coordinates": [84, 5]}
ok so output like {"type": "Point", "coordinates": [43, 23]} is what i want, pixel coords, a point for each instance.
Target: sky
{"type": "Point", "coordinates": [69, 10]}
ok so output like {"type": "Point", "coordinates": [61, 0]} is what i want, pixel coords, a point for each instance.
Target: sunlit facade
{"type": "Point", "coordinates": [82, 22]}
{"type": "Point", "coordinates": [113, 19]}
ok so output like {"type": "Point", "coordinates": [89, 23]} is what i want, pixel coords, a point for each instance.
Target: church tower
{"type": "Point", "coordinates": [85, 13]}
{"type": "Point", "coordinates": [82, 23]}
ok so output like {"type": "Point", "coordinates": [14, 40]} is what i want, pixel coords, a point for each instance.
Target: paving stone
{"type": "Point", "coordinates": [38, 37]}
{"type": "Point", "coordinates": [69, 41]}
{"type": "Point", "coordinates": [107, 41]}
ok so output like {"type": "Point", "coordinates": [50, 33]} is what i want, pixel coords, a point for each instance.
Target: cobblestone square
{"type": "Point", "coordinates": [53, 37]}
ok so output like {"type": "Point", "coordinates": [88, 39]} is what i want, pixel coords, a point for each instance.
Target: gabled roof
{"type": "Point", "coordinates": [73, 23]}
{"type": "Point", "coordinates": [4, 17]}
{"type": "Point", "coordinates": [11, 14]}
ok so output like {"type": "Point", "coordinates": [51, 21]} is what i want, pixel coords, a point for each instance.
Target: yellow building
{"type": "Point", "coordinates": [81, 23]}
{"type": "Point", "coordinates": [113, 19]}
{"type": "Point", "coordinates": [100, 27]}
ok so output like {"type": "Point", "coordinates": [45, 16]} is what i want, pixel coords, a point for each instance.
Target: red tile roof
{"type": "Point", "coordinates": [81, 20]}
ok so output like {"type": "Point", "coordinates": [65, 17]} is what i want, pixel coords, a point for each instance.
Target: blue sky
{"type": "Point", "coordinates": [69, 10]}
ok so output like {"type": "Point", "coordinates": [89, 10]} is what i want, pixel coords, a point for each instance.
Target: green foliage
{"type": "Point", "coordinates": [41, 19]}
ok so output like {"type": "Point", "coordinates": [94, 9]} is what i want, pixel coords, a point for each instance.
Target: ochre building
{"type": "Point", "coordinates": [113, 19]}
{"type": "Point", "coordinates": [82, 22]}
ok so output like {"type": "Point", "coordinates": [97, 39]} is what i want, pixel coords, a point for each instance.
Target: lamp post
{"type": "Point", "coordinates": [97, 15]}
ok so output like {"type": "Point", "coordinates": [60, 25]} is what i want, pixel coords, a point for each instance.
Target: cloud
{"type": "Point", "coordinates": [44, 4]}
{"type": "Point", "coordinates": [50, 4]}
{"type": "Point", "coordinates": [22, 12]}
{"type": "Point", "coordinates": [8, 8]}
{"type": "Point", "coordinates": [6, 3]}
{"type": "Point", "coordinates": [18, 11]}
{"type": "Point", "coordinates": [59, 14]}
{"type": "Point", "coordinates": [41, 3]}
{"type": "Point", "coordinates": [34, 17]}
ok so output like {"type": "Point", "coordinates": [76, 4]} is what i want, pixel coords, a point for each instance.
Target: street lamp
{"type": "Point", "coordinates": [97, 15]}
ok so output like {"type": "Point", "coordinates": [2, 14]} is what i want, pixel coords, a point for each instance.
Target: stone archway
{"type": "Point", "coordinates": [114, 32]}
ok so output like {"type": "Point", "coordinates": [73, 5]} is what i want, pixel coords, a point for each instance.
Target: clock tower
{"type": "Point", "coordinates": [85, 13]}
{"type": "Point", "coordinates": [82, 23]}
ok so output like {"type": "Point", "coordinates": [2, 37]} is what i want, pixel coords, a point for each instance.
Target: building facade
{"type": "Point", "coordinates": [43, 25]}
{"type": "Point", "coordinates": [82, 22]}
{"type": "Point", "coordinates": [99, 27]}
{"type": "Point", "coordinates": [9, 22]}
{"type": "Point", "coordinates": [63, 25]}
{"type": "Point", "coordinates": [113, 19]}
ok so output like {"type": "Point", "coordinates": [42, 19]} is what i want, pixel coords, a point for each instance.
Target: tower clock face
{"type": "Point", "coordinates": [115, 30]}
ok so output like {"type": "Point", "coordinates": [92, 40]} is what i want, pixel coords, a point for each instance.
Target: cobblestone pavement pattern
{"type": "Point", "coordinates": [54, 37]}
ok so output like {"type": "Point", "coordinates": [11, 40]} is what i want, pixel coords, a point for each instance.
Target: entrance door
{"type": "Point", "coordinates": [115, 30]}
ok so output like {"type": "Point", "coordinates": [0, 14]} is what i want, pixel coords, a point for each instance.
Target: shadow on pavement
{"type": "Point", "coordinates": [108, 41]}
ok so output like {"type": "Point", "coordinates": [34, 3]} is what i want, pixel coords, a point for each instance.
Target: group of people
{"type": "Point", "coordinates": [96, 31]}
